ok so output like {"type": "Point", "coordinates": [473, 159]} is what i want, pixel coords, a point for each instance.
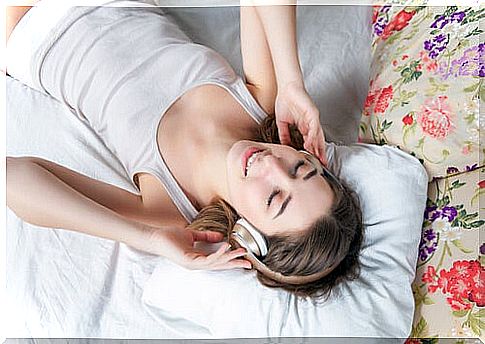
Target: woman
{"type": "Point", "coordinates": [195, 140]}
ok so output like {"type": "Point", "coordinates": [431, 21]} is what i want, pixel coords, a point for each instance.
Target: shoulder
{"type": "Point", "coordinates": [158, 209]}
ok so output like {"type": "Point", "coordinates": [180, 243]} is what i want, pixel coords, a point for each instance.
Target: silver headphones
{"type": "Point", "coordinates": [245, 235]}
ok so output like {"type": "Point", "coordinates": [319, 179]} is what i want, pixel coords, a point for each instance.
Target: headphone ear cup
{"type": "Point", "coordinates": [241, 237]}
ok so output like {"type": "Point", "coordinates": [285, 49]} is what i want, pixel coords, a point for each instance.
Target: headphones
{"type": "Point", "coordinates": [245, 235]}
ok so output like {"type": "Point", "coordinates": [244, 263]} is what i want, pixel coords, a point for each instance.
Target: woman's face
{"type": "Point", "coordinates": [280, 192]}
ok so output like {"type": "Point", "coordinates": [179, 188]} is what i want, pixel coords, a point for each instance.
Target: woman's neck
{"type": "Point", "coordinates": [210, 158]}
{"type": "Point", "coordinates": [195, 137]}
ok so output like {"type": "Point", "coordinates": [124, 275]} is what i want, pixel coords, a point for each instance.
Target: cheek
{"type": "Point", "coordinates": [248, 200]}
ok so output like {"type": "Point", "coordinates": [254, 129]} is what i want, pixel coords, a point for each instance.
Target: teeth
{"type": "Point", "coordinates": [250, 160]}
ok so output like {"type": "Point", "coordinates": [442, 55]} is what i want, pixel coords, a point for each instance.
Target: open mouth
{"type": "Point", "coordinates": [248, 158]}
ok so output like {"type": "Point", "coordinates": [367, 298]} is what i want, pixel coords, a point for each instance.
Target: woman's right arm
{"type": "Point", "coordinates": [42, 198]}
{"type": "Point", "coordinates": [48, 195]}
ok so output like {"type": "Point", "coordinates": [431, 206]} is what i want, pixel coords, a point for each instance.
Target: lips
{"type": "Point", "coordinates": [250, 151]}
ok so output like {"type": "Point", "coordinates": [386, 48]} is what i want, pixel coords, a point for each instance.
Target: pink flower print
{"type": "Point", "coordinates": [465, 150]}
{"type": "Point", "coordinates": [423, 55]}
{"type": "Point", "coordinates": [408, 119]}
{"type": "Point", "coordinates": [430, 64]}
{"type": "Point", "coordinates": [435, 117]}
{"type": "Point", "coordinates": [383, 100]}
{"type": "Point", "coordinates": [429, 275]}
{"type": "Point", "coordinates": [369, 102]}
{"type": "Point", "coordinates": [457, 304]}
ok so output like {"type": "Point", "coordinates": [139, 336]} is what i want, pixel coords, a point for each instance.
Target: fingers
{"type": "Point", "coordinates": [220, 260]}
{"type": "Point", "coordinates": [283, 132]}
{"type": "Point", "coordinates": [315, 141]}
{"type": "Point", "coordinates": [321, 154]}
{"type": "Point", "coordinates": [208, 236]}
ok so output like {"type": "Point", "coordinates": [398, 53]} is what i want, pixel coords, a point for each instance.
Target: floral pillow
{"type": "Point", "coordinates": [449, 288]}
{"type": "Point", "coordinates": [426, 84]}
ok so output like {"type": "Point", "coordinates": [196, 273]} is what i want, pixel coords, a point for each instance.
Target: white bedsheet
{"type": "Point", "coordinates": [63, 284]}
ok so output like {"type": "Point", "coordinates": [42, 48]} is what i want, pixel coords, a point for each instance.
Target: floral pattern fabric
{"type": "Point", "coordinates": [449, 288]}
{"type": "Point", "coordinates": [426, 84]}
{"type": "Point", "coordinates": [424, 96]}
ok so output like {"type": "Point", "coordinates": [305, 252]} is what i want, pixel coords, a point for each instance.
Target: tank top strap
{"type": "Point", "coordinates": [246, 99]}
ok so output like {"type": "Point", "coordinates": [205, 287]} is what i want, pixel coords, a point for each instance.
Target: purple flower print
{"type": "Point", "coordinates": [482, 249]}
{"type": "Point", "coordinates": [451, 170]}
{"type": "Point", "coordinates": [379, 25]}
{"type": "Point", "coordinates": [440, 38]}
{"type": "Point", "coordinates": [436, 45]}
{"type": "Point", "coordinates": [449, 212]}
{"type": "Point", "coordinates": [481, 59]}
{"type": "Point", "coordinates": [428, 244]}
{"type": "Point", "coordinates": [429, 234]}
{"type": "Point", "coordinates": [458, 16]}
{"type": "Point", "coordinates": [440, 22]}
{"type": "Point", "coordinates": [382, 20]}
{"type": "Point", "coordinates": [472, 62]}
{"type": "Point", "coordinates": [432, 213]}
{"type": "Point", "coordinates": [471, 168]}
{"type": "Point", "coordinates": [385, 9]}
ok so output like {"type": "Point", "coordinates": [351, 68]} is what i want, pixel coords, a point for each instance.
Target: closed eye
{"type": "Point", "coordinates": [294, 172]}
{"type": "Point", "coordinates": [309, 175]}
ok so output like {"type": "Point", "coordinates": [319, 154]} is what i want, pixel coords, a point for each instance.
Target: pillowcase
{"type": "Point", "coordinates": [392, 188]}
{"type": "Point", "coordinates": [425, 85]}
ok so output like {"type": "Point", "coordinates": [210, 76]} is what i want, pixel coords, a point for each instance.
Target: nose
{"type": "Point", "coordinates": [277, 168]}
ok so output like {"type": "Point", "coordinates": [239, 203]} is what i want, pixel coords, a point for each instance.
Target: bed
{"type": "Point", "coordinates": [67, 285]}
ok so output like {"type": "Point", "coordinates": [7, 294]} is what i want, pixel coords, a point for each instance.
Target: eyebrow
{"type": "Point", "coordinates": [288, 199]}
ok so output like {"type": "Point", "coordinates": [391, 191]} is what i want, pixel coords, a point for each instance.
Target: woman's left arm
{"type": "Point", "coordinates": [256, 58]}
{"type": "Point", "coordinates": [293, 104]}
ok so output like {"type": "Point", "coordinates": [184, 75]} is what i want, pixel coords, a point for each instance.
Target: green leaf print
{"type": "Point", "coordinates": [385, 125]}
{"type": "Point", "coordinates": [482, 261]}
{"type": "Point", "coordinates": [460, 314]}
{"type": "Point", "coordinates": [476, 31]}
{"type": "Point", "coordinates": [460, 246]}
{"type": "Point", "coordinates": [477, 224]}
{"type": "Point", "coordinates": [472, 88]}
{"type": "Point", "coordinates": [456, 185]}
{"type": "Point", "coordinates": [420, 329]}
{"type": "Point", "coordinates": [428, 301]}
{"type": "Point", "coordinates": [436, 87]}
{"type": "Point", "coordinates": [474, 325]}
{"type": "Point", "coordinates": [407, 131]}
{"type": "Point", "coordinates": [469, 216]}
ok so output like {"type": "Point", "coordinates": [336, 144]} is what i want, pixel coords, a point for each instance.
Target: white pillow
{"type": "Point", "coordinates": [392, 187]}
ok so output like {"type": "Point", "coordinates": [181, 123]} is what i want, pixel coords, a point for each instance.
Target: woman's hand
{"type": "Point", "coordinates": [177, 244]}
{"type": "Point", "coordinates": [294, 106]}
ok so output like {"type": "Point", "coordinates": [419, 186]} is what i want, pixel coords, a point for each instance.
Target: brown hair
{"type": "Point", "coordinates": [336, 236]}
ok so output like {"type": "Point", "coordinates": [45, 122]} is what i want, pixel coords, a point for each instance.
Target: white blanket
{"type": "Point", "coordinates": [64, 284]}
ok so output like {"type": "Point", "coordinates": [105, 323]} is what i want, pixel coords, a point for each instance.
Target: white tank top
{"type": "Point", "coordinates": [120, 69]}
